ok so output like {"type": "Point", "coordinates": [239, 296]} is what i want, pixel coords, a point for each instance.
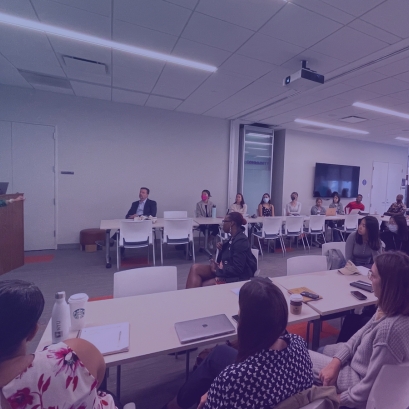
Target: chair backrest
{"type": "Point", "coordinates": [135, 231]}
{"type": "Point", "coordinates": [339, 245]}
{"type": "Point", "coordinates": [317, 223]}
{"type": "Point", "coordinates": [272, 225]}
{"type": "Point", "coordinates": [294, 224]}
{"type": "Point", "coordinates": [306, 264]}
{"type": "Point", "coordinates": [390, 389]}
{"type": "Point", "coordinates": [146, 280]}
{"type": "Point", "coordinates": [255, 254]}
{"type": "Point", "coordinates": [351, 221]}
{"type": "Point", "coordinates": [177, 229]}
{"type": "Point", "coordinates": [175, 214]}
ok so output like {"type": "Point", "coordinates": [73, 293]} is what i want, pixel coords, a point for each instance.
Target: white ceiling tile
{"type": "Point", "coordinates": [29, 50]}
{"type": "Point", "coordinates": [200, 52]}
{"type": "Point", "coordinates": [349, 45]}
{"type": "Point", "coordinates": [138, 36]}
{"type": "Point", "coordinates": [266, 48]}
{"type": "Point", "coordinates": [251, 14]}
{"type": "Point", "coordinates": [155, 14]}
{"type": "Point", "coordinates": [21, 8]}
{"type": "Point", "coordinates": [135, 73]}
{"type": "Point", "coordinates": [72, 18]}
{"type": "Point", "coordinates": [394, 68]}
{"type": "Point", "coordinates": [326, 91]}
{"type": "Point", "coordinates": [179, 82]}
{"type": "Point", "coordinates": [386, 86]}
{"type": "Point", "coordinates": [299, 26]}
{"type": "Point", "coordinates": [391, 16]}
{"type": "Point", "coordinates": [102, 7]}
{"type": "Point", "coordinates": [240, 64]}
{"type": "Point", "coordinates": [402, 95]}
{"type": "Point", "coordinates": [387, 101]}
{"type": "Point", "coordinates": [321, 63]}
{"type": "Point", "coordinates": [43, 87]}
{"type": "Point", "coordinates": [357, 94]}
{"type": "Point", "coordinates": [325, 9]}
{"type": "Point", "coordinates": [10, 76]}
{"type": "Point", "coordinates": [359, 80]}
{"type": "Point", "coordinates": [129, 97]}
{"type": "Point", "coordinates": [190, 4]}
{"type": "Point", "coordinates": [82, 89]}
{"type": "Point", "coordinates": [374, 31]}
{"type": "Point", "coordinates": [216, 33]}
{"type": "Point", "coordinates": [156, 101]}
{"type": "Point", "coordinates": [354, 7]}
{"type": "Point", "coordinates": [403, 77]}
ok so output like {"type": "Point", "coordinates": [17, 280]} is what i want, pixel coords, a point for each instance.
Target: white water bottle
{"type": "Point", "coordinates": [214, 211]}
{"type": "Point", "coordinates": [60, 318]}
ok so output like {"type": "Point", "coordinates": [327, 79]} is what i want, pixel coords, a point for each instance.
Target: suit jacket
{"type": "Point", "coordinates": [148, 210]}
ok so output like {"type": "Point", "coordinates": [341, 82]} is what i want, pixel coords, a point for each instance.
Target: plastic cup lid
{"type": "Point", "coordinates": [296, 297]}
{"type": "Point", "coordinates": [78, 297]}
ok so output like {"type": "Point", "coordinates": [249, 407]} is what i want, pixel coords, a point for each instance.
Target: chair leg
{"type": "Point", "coordinates": [153, 255]}
{"type": "Point", "coordinates": [193, 250]}
{"type": "Point", "coordinates": [259, 246]}
{"type": "Point", "coordinates": [283, 249]}
{"type": "Point", "coordinates": [118, 259]}
{"type": "Point", "coordinates": [161, 252]}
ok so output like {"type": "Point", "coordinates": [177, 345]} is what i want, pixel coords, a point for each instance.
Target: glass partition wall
{"type": "Point", "coordinates": [255, 164]}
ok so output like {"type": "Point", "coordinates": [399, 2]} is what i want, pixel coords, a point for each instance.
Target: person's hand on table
{"type": "Point", "coordinates": [132, 216]}
{"type": "Point", "coordinates": [17, 199]}
{"type": "Point", "coordinates": [213, 266]}
{"type": "Point", "coordinates": [329, 374]}
{"type": "Point", "coordinates": [203, 400]}
{"type": "Point", "coordinates": [219, 245]}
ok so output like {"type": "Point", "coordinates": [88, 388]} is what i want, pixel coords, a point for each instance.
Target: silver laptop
{"type": "Point", "coordinates": [3, 187]}
{"type": "Point", "coordinates": [203, 328]}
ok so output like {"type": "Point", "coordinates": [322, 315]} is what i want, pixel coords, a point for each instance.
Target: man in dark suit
{"type": "Point", "coordinates": [143, 207]}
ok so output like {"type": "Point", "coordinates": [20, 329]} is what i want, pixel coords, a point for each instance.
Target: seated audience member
{"type": "Point", "coordinates": [239, 205]}
{"type": "Point", "coordinates": [265, 208]}
{"type": "Point", "coordinates": [364, 245]}
{"type": "Point", "coordinates": [357, 204]}
{"type": "Point", "coordinates": [142, 207]}
{"type": "Point", "coordinates": [353, 366]}
{"type": "Point", "coordinates": [294, 207]}
{"type": "Point", "coordinates": [396, 238]}
{"type": "Point", "coordinates": [336, 203]}
{"type": "Point", "coordinates": [9, 201]}
{"type": "Point", "coordinates": [318, 209]}
{"type": "Point", "coordinates": [204, 209]}
{"type": "Point", "coordinates": [269, 366]}
{"type": "Point", "coordinates": [66, 374]}
{"type": "Point", "coordinates": [398, 207]}
{"type": "Point", "coordinates": [235, 262]}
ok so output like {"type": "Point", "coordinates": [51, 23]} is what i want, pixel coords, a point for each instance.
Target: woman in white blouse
{"type": "Point", "coordinates": [239, 205]}
{"type": "Point", "coordinates": [294, 207]}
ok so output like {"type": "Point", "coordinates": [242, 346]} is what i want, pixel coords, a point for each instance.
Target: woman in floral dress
{"type": "Point", "coordinates": [62, 376]}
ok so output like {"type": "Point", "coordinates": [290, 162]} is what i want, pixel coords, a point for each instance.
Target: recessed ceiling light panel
{"type": "Point", "coordinates": [380, 109]}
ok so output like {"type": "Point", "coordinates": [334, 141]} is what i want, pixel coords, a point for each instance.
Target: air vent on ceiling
{"type": "Point", "coordinates": [353, 119]}
{"type": "Point", "coordinates": [48, 80]}
{"type": "Point", "coordinates": [313, 128]}
{"type": "Point", "coordinates": [82, 64]}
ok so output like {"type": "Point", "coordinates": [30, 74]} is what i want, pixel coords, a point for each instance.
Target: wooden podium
{"type": "Point", "coordinates": [11, 234]}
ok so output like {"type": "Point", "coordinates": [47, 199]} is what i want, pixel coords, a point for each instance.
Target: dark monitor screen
{"type": "Point", "coordinates": [336, 178]}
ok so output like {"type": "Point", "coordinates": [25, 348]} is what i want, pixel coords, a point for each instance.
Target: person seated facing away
{"type": "Point", "coordinates": [235, 262]}
{"type": "Point", "coordinates": [294, 207]}
{"type": "Point", "coordinates": [204, 209]}
{"type": "Point", "coordinates": [398, 207]}
{"type": "Point", "coordinates": [142, 207]}
{"type": "Point", "coordinates": [318, 209]}
{"type": "Point", "coordinates": [9, 201]}
{"type": "Point", "coordinates": [396, 237]}
{"type": "Point", "coordinates": [265, 208]}
{"type": "Point", "coordinates": [354, 365]}
{"type": "Point", "coordinates": [364, 245]}
{"type": "Point", "coordinates": [239, 205]}
{"type": "Point", "coordinates": [66, 374]}
{"type": "Point", "coordinates": [269, 366]}
{"type": "Point", "coordinates": [357, 204]}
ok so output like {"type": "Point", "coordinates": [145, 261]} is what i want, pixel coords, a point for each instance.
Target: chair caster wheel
{"type": "Point", "coordinates": [108, 265]}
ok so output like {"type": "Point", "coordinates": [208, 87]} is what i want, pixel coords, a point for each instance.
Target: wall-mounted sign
{"type": "Point", "coordinates": [364, 182]}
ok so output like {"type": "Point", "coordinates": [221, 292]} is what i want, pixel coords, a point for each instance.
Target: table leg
{"type": "Point", "coordinates": [316, 330]}
{"type": "Point", "coordinates": [118, 382]}
{"type": "Point", "coordinates": [187, 364]}
{"type": "Point", "coordinates": [207, 241]}
{"type": "Point", "coordinates": [107, 249]}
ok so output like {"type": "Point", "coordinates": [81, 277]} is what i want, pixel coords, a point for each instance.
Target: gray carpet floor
{"type": "Point", "coordinates": [152, 382]}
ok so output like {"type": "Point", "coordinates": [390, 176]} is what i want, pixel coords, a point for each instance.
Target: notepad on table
{"type": "Point", "coordinates": [109, 339]}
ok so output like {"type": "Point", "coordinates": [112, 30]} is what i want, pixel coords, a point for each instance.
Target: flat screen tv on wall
{"type": "Point", "coordinates": [336, 178]}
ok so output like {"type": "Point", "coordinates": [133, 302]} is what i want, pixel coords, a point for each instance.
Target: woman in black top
{"type": "Point", "coordinates": [396, 238]}
{"type": "Point", "coordinates": [236, 262]}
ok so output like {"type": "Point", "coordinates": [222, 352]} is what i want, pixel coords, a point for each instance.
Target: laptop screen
{"type": "Point", "coordinates": [3, 187]}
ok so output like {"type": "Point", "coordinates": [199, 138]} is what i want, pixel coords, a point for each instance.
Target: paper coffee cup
{"type": "Point", "coordinates": [78, 305]}
{"type": "Point", "coordinates": [296, 304]}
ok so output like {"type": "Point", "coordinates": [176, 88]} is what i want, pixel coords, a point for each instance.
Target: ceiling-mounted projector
{"type": "Point", "coordinates": [304, 78]}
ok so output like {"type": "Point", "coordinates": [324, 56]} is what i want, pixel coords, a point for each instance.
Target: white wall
{"type": "Point", "coordinates": [303, 150]}
{"type": "Point", "coordinates": [116, 148]}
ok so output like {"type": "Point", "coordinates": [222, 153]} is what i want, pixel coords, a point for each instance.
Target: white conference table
{"type": "Point", "coordinates": [152, 318]}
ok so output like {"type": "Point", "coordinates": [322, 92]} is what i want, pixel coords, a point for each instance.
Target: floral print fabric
{"type": "Point", "coordinates": [56, 379]}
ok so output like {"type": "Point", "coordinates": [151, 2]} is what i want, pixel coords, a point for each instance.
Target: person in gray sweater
{"type": "Point", "coordinates": [354, 365]}
{"type": "Point", "coordinates": [364, 245]}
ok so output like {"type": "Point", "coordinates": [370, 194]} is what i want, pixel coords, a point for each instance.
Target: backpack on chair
{"type": "Point", "coordinates": [335, 259]}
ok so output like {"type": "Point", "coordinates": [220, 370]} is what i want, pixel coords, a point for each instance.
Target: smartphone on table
{"type": "Point", "coordinates": [359, 295]}
{"type": "Point", "coordinates": [310, 295]}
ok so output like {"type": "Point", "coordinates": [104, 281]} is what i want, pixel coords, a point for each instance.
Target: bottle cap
{"type": "Point", "coordinates": [59, 295]}
{"type": "Point", "coordinates": [296, 297]}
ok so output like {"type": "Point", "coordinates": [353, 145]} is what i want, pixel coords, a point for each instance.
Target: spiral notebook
{"type": "Point", "coordinates": [109, 339]}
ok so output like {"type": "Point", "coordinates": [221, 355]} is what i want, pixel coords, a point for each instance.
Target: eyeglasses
{"type": "Point", "coordinates": [370, 274]}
